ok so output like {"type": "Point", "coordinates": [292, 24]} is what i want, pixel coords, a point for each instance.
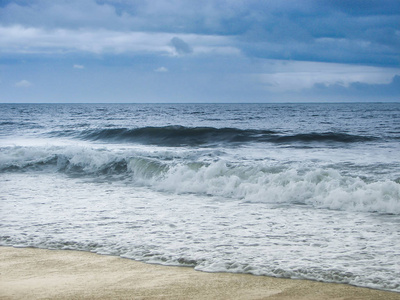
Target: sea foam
{"type": "Point", "coordinates": [255, 181]}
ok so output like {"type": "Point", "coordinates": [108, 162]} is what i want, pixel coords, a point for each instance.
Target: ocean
{"type": "Point", "coordinates": [303, 191]}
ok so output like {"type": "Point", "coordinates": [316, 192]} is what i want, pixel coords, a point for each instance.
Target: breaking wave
{"type": "Point", "coordinates": [254, 181]}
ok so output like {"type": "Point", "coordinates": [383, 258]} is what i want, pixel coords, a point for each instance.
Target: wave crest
{"type": "Point", "coordinates": [252, 181]}
{"type": "Point", "coordinates": [177, 136]}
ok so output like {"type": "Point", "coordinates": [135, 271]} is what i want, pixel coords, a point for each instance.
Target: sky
{"type": "Point", "coordinates": [142, 51]}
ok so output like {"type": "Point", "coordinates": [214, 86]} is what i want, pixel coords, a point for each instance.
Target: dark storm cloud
{"type": "Point", "coordinates": [326, 32]}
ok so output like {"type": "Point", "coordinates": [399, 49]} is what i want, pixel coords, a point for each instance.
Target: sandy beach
{"type": "Point", "coordinates": [28, 273]}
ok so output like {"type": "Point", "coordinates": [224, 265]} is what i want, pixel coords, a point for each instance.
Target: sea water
{"type": "Point", "coordinates": [308, 191]}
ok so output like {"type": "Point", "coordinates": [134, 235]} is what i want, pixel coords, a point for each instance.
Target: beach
{"type": "Point", "coordinates": [62, 274]}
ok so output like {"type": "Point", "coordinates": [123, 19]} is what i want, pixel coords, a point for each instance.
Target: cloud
{"type": "Point", "coordinates": [325, 31]}
{"type": "Point", "coordinates": [283, 76]}
{"type": "Point", "coordinates": [23, 84]}
{"type": "Point", "coordinates": [259, 49]}
{"type": "Point", "coordinates": [161, 70]}
{"type": "Point", "coordinates": [71, 14]}
{"type": "Point", "coordinates": [29, 40]}
{"type": "Point", "coordinates": [376, 91]}
{"type": "Point", "coordinates": [180, 46]}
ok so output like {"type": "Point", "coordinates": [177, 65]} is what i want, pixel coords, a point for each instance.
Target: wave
{"type": "Point", "coordinates": [252, 181]}
{"type": "Point", "coordinates": [7, 123]}
{"type": "Point", "coordinates": [325, 137]}
{"type": "Point", "coordinates": [176, 136]}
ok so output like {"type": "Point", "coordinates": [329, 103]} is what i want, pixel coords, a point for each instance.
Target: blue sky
{"type": "Point", "coordinates": [199, 51]}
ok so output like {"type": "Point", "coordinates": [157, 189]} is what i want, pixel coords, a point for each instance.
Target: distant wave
{"type": "Point", "coordinates": [7, 123]}
{"type": "Point", "coordinates": [24, 124]}
{"type": "Point", "coordinates": [324, 137]}
{"type": "Point", "coordinates": [253, 181]}
{"type": "Point", "coordinates": [176, 136]}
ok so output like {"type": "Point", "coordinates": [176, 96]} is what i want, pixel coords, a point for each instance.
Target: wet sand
{"type": "Point", "coordinates": [28, 273]}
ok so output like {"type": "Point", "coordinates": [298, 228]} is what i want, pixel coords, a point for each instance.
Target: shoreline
{"type": "Point", "coordinates": [32, 273]}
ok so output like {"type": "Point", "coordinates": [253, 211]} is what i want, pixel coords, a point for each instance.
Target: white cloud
{"type": "Point", "coordinates": [161, 70]}
{"type": "Point", "coordinates": [23, 84]}
{"type": "Point", "coordinates": [78, 66]}
{"type": "Point", "coordinates": [294, 75]}
{"type": "Point", "coordinates": [19, 39]}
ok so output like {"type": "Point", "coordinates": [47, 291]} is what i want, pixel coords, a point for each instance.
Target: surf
{"type": "Point", "coordinates": [208, 173]}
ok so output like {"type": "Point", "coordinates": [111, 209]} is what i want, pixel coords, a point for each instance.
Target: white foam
{"type": "Point", "coordinates": [319, 187]}
{"type": "Point", "coordinates": [211, 233]}
{"type": "Point", "coordinates": [207, 172]}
